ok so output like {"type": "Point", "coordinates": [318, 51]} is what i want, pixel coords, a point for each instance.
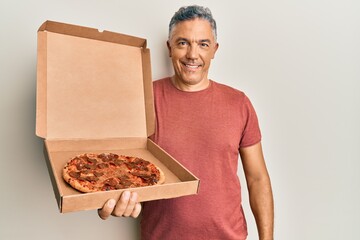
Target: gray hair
{"type": "Point", "coordinates": [192, 12]}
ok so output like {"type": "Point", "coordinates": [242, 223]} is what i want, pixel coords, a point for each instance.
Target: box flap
{"type": "Point", "coordinates": [92, 84]}
{"type": "Point", "coordinates": [91, 33]}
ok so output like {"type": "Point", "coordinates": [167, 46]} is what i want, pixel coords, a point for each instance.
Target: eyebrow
{"type": "Point", "coordinates": [187, 40]}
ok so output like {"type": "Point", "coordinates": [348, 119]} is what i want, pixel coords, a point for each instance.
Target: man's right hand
{"type": "Point", "coordinates": [127, 206]}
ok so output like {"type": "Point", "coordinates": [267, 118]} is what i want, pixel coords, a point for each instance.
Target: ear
{"type": "Point", "coordinates": [169, 48]}
{"type": "Point", "coordinates": [215, 49]}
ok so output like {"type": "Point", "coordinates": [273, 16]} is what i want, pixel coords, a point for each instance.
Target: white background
{"type": "Point", "coordinates": [298, 61]}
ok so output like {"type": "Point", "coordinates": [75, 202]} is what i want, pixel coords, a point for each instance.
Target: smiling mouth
{"type": "Point", "coordinates": [192, 66]}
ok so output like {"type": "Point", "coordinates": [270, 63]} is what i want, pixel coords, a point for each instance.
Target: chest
{"type": "Point", "coordinates": [209, 121]}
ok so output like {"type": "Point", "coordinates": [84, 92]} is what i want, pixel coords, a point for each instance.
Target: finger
{"type": "Point", "coordinates": [131, 204]}
{"type": "Point", "coordinates": [122, 204]}
{"type": "Point", "coordinates": [136, 211]}
{"type": "Point", "coordinates": [107, 209]}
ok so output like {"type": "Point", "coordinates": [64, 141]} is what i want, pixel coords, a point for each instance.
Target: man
{"type": "Point", "coordinates": [204, 125]}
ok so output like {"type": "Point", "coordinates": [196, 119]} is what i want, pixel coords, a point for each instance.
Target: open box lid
{"type": "Point", "coordinates": [92, 84]}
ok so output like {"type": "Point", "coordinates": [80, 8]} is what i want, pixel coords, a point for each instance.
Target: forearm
{"type": "Point", "coordinates": [262, 206]}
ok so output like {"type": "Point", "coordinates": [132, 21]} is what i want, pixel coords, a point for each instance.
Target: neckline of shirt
{"type": "Point", "coordinates": [208, 88]}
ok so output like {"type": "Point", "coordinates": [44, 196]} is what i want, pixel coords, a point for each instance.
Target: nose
{"type": "Point", "coordinates": [192, 52]}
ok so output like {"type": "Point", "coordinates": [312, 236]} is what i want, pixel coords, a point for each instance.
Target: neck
{"type": "Point", "coordinates": [188, 87]}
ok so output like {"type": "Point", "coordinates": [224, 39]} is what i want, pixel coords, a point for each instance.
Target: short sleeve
{"type": "Point", "coordinates": [251, 133]}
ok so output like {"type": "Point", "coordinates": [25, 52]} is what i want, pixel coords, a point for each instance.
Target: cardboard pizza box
{"type": "Point", "coordinates": [94, 94]}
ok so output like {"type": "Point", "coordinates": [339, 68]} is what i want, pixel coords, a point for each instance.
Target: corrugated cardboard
{"type": "Point", "coordinates": [94, 94]}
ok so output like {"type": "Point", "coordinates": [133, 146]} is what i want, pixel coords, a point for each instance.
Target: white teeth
{"type": "Point", "coordinates": [192, 66]}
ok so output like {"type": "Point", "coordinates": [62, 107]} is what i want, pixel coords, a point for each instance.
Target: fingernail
{"type": "Point", "coordinates": [111, 203]}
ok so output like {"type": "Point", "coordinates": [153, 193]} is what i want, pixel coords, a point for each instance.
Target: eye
{"type": "Point", "coordinates": [204, 45]}
{"type": "Point", "coordinates": [182, 43]}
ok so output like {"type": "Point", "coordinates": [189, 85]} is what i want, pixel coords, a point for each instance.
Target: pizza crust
{"type": "Point", "coordinates": [75, 184]}
{"type": "Point", "coordinates": [162, 176]}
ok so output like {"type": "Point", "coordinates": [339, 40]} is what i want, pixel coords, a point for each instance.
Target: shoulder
{"type": "Point", "coordinates": [161, 87]}
{"type": "Point", "coordinates": [161, 82]}
{"type": "Point", "coordinates": [229, 92]}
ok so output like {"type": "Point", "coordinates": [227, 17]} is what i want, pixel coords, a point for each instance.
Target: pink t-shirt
{"type": "Point", "coordinates": [204, 131]}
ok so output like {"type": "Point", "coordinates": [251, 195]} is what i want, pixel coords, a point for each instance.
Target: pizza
{"type": "Point", "coordinates": [91, 172]}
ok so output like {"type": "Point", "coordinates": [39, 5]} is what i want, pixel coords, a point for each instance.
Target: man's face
{"type": "Point", "coordinates": [191, 47]}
